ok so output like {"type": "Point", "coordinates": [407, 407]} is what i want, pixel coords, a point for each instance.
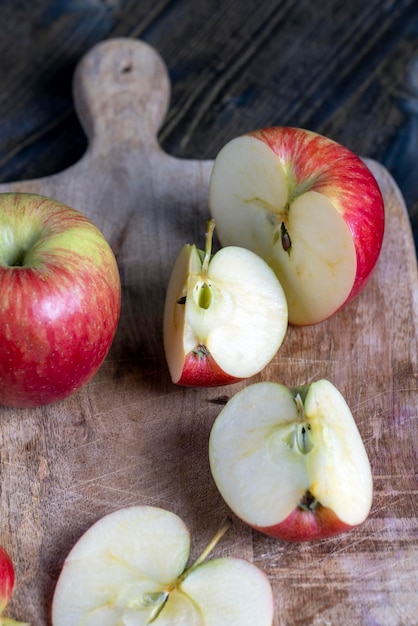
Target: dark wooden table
{"type": "Point", "coordinates": [346, 69]}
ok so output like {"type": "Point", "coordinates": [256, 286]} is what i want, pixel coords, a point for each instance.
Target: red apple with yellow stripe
{"type": "Point", "coordinates": [60, 299]}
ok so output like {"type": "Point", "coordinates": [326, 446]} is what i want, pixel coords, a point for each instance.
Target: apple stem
{"type": "Point", "coordinates": [160, 598]}
{"type": "Point", "coordinates": [210, 227]}
{"type": "Point", "coordinates": [211, 545]}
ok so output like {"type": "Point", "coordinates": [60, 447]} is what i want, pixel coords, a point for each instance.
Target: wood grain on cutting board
{"type": "Point", "coordinates": [131, 437]}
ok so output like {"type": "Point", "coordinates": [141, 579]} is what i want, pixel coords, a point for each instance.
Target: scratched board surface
{"type": "Point", "coordinates": [131, 437]}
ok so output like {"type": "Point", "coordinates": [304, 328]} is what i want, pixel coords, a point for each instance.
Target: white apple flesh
{"type": "Point", "coordinates": [225, 315]}
{"type": "Point", "coordinates": [129, 568]}
{"type": "Point", "coordinates": [308, 206]}
{"type": "Point", "coordinates": [291, 462]}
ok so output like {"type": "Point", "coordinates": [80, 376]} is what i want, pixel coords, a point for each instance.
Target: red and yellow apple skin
{"type": "Point", "coordinates": [291, 462]}
{"type": "Point", "coordinates": [7, 582]}
{"type": "Point", "coordinates": [60, 300]}
{"type": "Point", "coordinates": [7, 579]}
{"type": "Point", "coordinates": [201, 370]}
{"type": "Point", "coordinates": [331, 169]}
{"type": "Point", "coordinates": [306, 525]}
{"type": "Point", "coordinates": [307, 205]}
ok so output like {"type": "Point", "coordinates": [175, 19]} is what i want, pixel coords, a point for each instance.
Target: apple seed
{"type": "Point", "coordinates": [157, 599]}
{"type": "Point", "coordinates": [203, 295]}
{"type": "Point", "coordinates": [285, 237]}
{"type": "Point", "coordinates": [299, 439]}
{"type": "Point", "coordinates": [203, 292]}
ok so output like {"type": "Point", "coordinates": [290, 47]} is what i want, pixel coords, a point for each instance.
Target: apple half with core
{"type": "Point", "coordinates": [7, 583]}
{"type": "Point", "coordinates": [60, 299]}
{"type": "Point", "coordinates": [308, 206]}
{"type": "Point", "coordinates": [130, 568]}
{"type": "Point", "coordinates": [291, 462]}
{"type": "Point", "coordinates": [225, 315]}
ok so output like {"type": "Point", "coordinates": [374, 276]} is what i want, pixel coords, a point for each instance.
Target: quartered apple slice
{"type": "Point", "coordinates": [291, 462]}
{"type": "Point", "coordinates": [225, 315]}
{"type": "Point", "coordinates": [129, 569]}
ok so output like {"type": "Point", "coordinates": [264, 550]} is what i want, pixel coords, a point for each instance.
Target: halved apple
{"type": "Point", "coordinates": [291, 462]}
{"type": "Point", "coordinates": [225, 315]}
{"type": "Point", "coordinates": [308, 206]}
{"type": "Point", "coordinates": [129, 568]}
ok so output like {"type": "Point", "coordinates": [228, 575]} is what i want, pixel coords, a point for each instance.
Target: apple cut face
{"type": "Point", "coordinates": [291, 463]}
{"type": "Point", "coordinates": [275, 194]}
{"type": "Point", "coordinates": [230, 592]}
{"type": "Point", "coordinates": [119, 566]}
{"type": "Point", "coordinates": [129, 568]}
{"type": "Point", "coordinates": [223, 322]}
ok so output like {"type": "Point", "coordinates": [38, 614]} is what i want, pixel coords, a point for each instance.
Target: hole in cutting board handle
{"type": "Point", "coordinates": [127, 67]}
{"type": "Point", "coordinates": [121, 89]}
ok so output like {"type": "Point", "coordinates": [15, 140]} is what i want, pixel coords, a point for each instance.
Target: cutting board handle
{"type": "Point", "coordinates": [121, 93]}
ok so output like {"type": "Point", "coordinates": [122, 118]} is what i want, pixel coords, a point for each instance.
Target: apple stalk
{"type": "Point", "coordinates": [160, 598]}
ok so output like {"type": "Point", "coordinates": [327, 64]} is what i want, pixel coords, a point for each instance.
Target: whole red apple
{"type": "Point", "coordinates": [308, 206]}
{"type": "Point", "coordinates": [60, 300]}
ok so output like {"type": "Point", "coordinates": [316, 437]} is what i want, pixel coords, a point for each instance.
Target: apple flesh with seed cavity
{"type": "Point", "coordinates": [130, 568]}
{"type": "Point", "coordinates": [308, 206]}
{"type": "Point", "coordinates": [225, 315]}
{"type": "Point", "coordinates": [7, 582]}
{"type": "Point", "coordinates": [291, 462]}
{"type": "Point", "coordinates": [60, 300]}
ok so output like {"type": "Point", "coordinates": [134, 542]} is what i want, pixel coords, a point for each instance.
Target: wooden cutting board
{"type": "Point", "coordinates": [131, 437]}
